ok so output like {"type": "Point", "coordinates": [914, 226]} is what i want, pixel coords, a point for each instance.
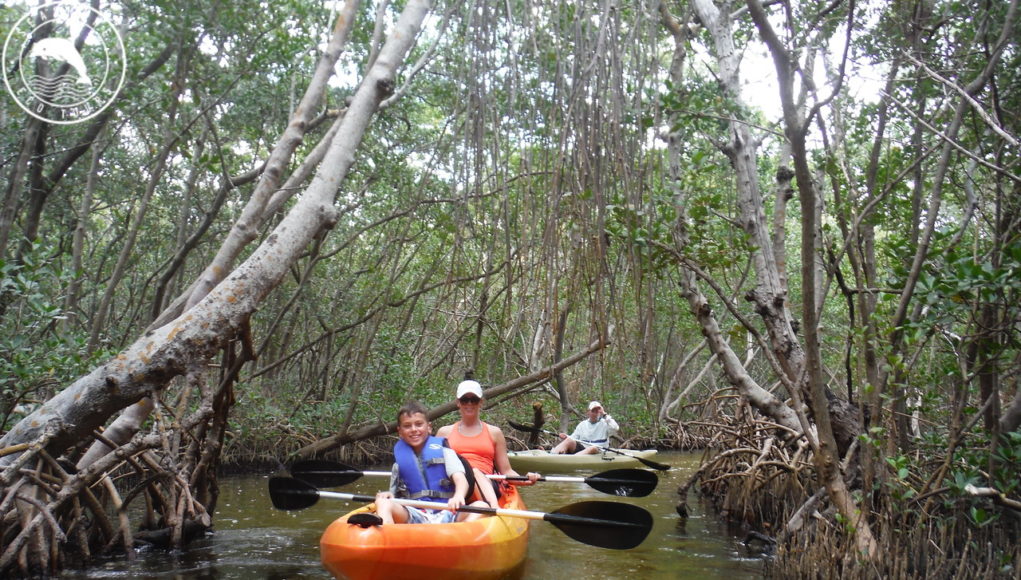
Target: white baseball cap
{"type": "Point", "coordinates": [593, 405]}
{"type": "Point", "coordinates": [469, 387]}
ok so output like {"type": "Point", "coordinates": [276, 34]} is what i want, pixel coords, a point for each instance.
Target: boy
{"type": "Point", "coordinates": [425, 468]}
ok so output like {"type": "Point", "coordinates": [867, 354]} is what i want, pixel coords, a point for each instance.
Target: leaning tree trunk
{"type": "Point", "coordinates": [258, 209]}
{"type": "Point", "coordinates": [38, 507]}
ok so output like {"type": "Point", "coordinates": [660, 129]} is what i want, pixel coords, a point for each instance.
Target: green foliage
{"type": "Point", "coordinates": [952, 289]}
{"type": "Point", "coordinates": [700, 100]}
{"type": "Point", "coordinates": [962, 478]}
{"type": "Point", "coordinates": [38, 355]}
{"type": "Point", "coordinates": [901, 487]}
{"type": "Point", "coordinates": [980, 517]}
{"type": "Point", "coordinates": [873, 437]}
{"type": "Point", "coordinates": [972, 468]}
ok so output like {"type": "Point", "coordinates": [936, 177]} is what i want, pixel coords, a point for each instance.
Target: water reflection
{"type": "Point", "coordinates": [253, 540]}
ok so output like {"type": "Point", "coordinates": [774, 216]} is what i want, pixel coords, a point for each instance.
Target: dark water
{"type": "Point", "coordinates": [254, 541]}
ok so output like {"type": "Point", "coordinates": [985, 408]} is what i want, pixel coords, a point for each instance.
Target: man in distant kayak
{"type": "Point", "coordinates": [425, 469]}
{"type": "Point", "coordinates": [591, 435]}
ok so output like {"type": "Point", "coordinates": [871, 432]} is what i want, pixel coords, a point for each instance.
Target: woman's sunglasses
{"type": "Point", "coordinates": [469, 400]}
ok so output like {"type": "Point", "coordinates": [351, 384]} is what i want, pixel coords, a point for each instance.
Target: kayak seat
{"type": "Point", "coordinates": [365, 520]}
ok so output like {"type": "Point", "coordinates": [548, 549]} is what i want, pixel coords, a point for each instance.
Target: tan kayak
{"type": "Point", "coordinates": [545, 462]}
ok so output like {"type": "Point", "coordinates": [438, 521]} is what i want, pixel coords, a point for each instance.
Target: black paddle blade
{"type": "Point", "coordinates": [653, 464]}
{"type": "Point", "coordinates": [624, 482]}
{"type": "Point", "coordinates": [606, 524]}
{"type": "Point", "coordinates": [322, 473]}
{"type": "Point", "coordinates": [288, 493]}
{"type": "Point", "coordinates": [642, 460]}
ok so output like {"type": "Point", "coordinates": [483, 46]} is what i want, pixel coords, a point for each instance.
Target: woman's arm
{"type": "Point", "coordinates": [501, 461]}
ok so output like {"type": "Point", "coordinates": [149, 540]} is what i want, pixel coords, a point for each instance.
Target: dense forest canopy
{"type": "Point", "coordinates": [295, 215]}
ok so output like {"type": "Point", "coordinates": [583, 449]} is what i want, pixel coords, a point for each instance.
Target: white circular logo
{"type": "Point", "coordinates": [63, 62]}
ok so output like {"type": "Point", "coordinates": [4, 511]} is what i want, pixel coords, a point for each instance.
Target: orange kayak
{"type": "Point", "coordinates": [488, 547]}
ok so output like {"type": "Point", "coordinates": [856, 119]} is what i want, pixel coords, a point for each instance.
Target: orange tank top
{"type": "Point", "coordinates": [479, 450]}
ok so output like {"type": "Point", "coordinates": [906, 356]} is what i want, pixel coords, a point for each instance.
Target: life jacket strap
{"type": "Point", "coordinates": [431, 493]}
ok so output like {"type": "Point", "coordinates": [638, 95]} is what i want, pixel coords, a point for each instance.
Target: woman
{"type": "Point", "coordinates": [483, 445]}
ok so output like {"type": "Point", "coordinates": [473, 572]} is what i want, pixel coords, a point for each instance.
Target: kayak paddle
{"type": "Point", "coordinates": [644, 461]}
{"type": "Point", "coordinates": [619, 482]}
{"type": "Point", "coordinates": [606, 524]}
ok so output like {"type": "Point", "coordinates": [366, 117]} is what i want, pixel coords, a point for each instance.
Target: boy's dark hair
{"type": "Point", "coordinates": [410, 408]}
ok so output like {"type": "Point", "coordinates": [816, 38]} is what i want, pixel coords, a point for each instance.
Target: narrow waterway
{"type": "Point", "coordinates": [252, 540]}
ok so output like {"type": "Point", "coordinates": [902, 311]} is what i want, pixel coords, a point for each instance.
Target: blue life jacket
{"type": "Point", "coordinates": [436, 486]}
